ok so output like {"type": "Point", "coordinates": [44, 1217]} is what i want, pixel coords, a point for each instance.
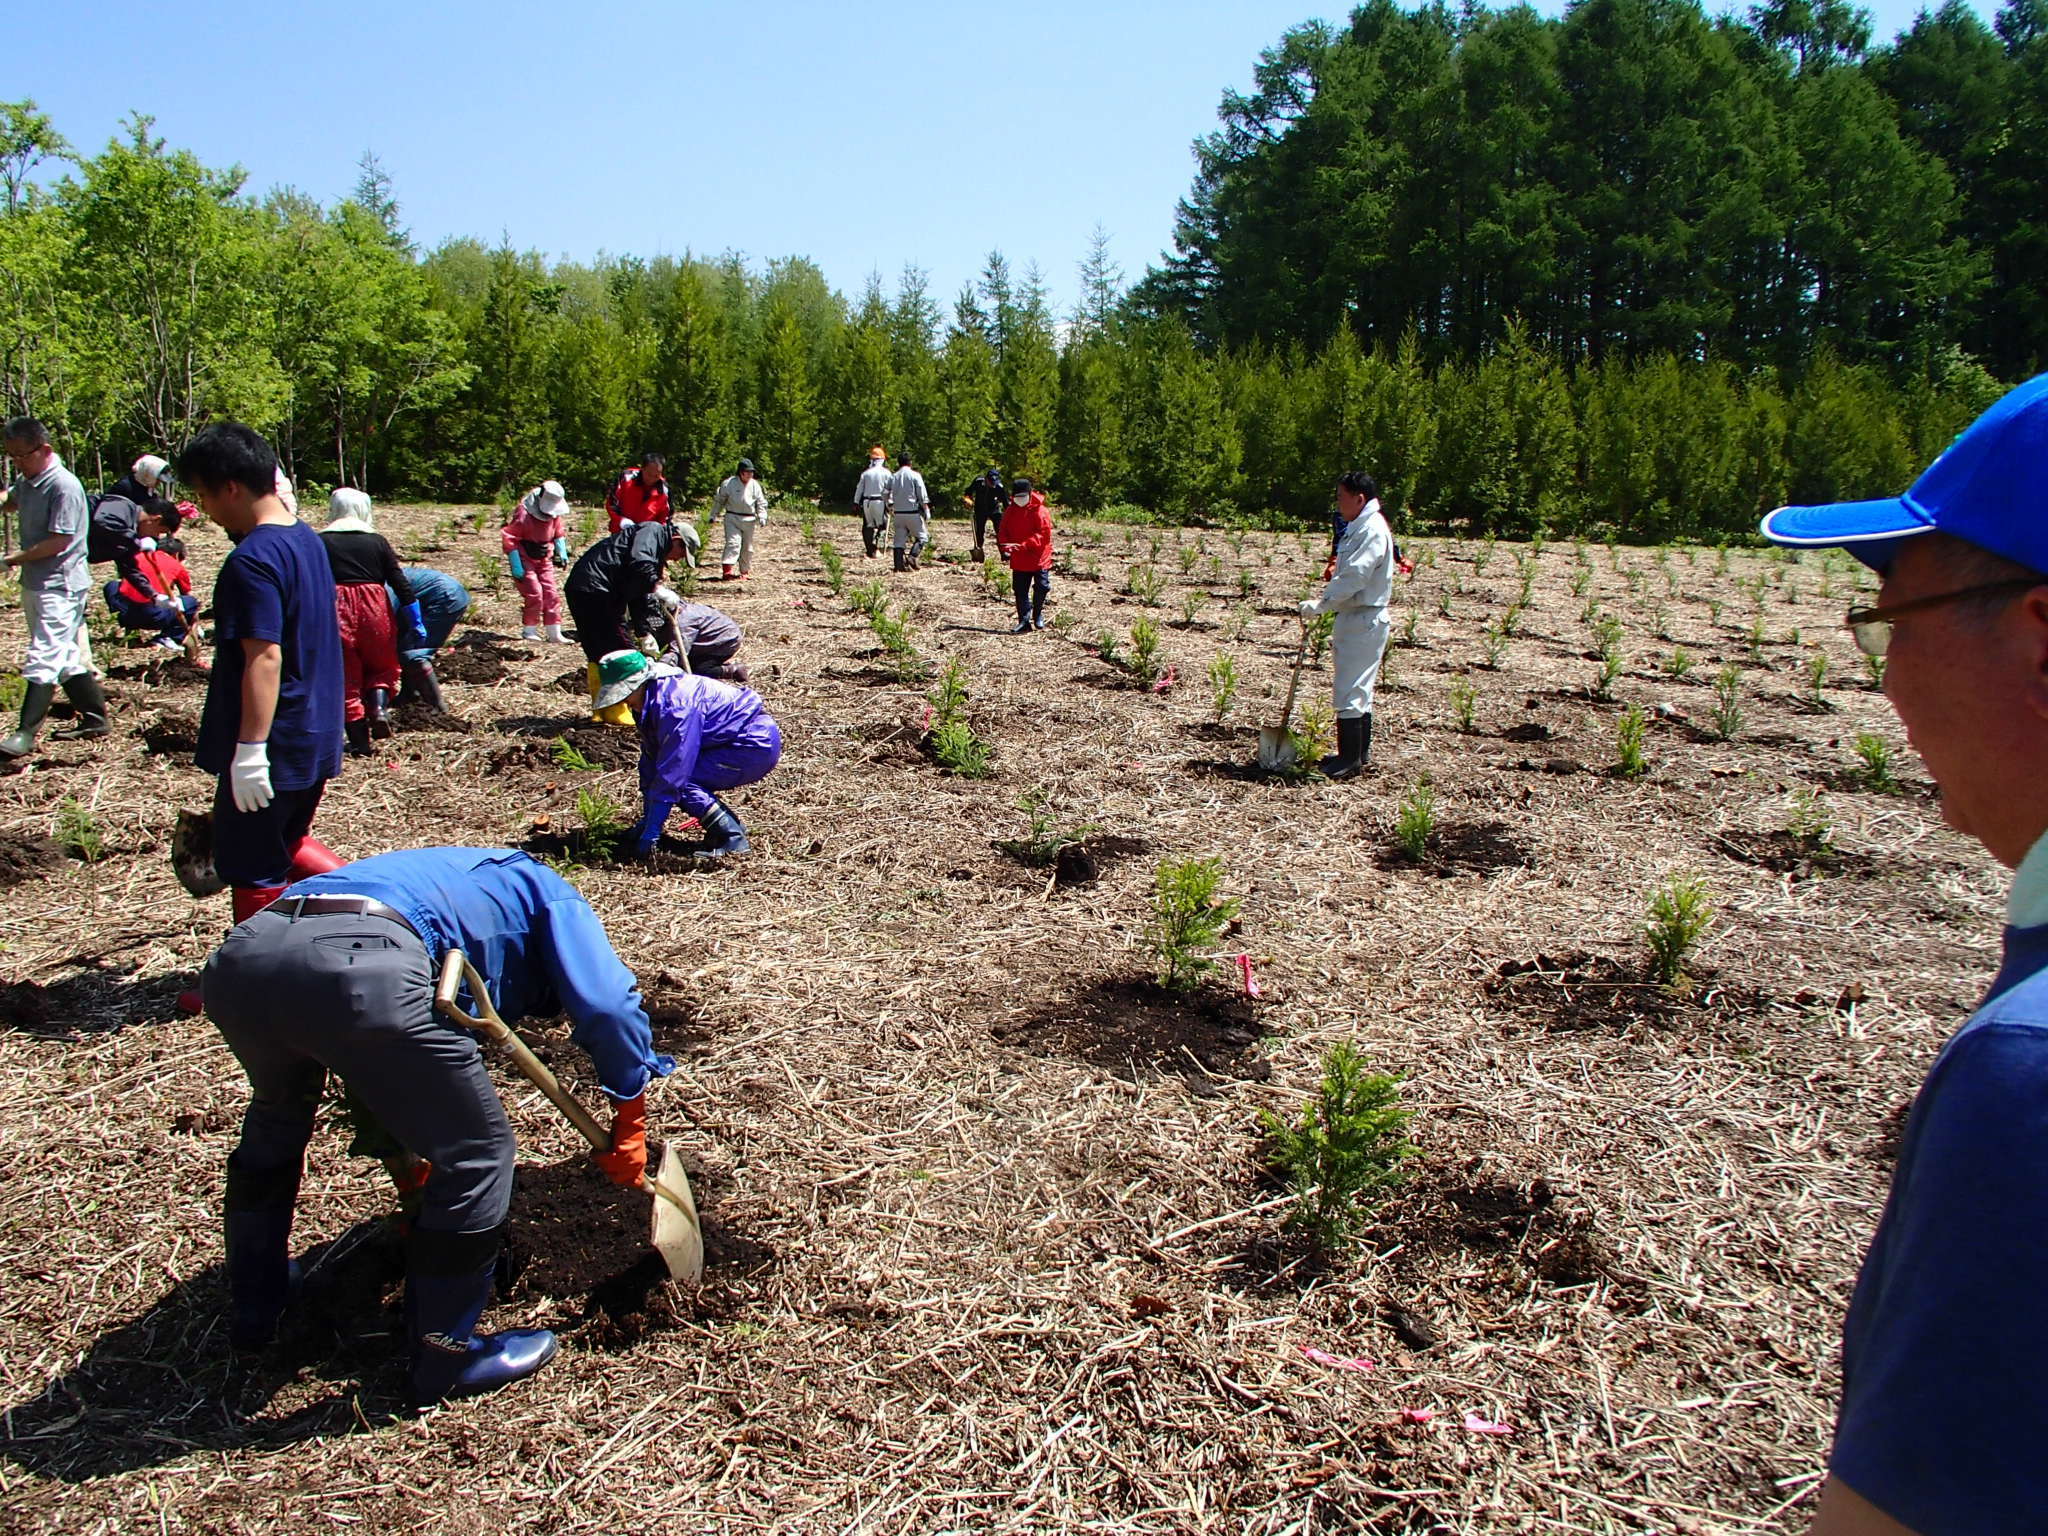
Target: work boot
{"type": "Point", "coordinates": [89, 706]}
{"type": "Point", "coordinates": [1022, 626]}
{"type": "Point", "coordinates": [915, 553]}
{"type": "Point", "coordinates": [901, 563]}
{"type": "Point", "coordinates": [358, 733]}
{"type": "Point", "coordinates": [529, 631]}
{"type": "Point", "coordinates": [1354, 743]}
{"type": "Point", "coordinates": [35, 708]}
{"type": "Point", "coordinates": [313, 857]}
{"type": "Point", "coordinates": [377, 710]}
{"type": "Point", "coordinates": [978, 556]}
{"type": "Point", "coordinates": [728, 573]}
{"type": "Point", "coordinates": [867, 541]}
{"type": "Point", "coordinates": [1037, 610]}
{"type": "Point", "coordinates": [555, 635]}
{"type": "Point", "coordinates": [723, 833]}
{"type": "Point", "coordinates": [447, 1287]}
{"type": "Point", "coordinates": [261, 1274]}
{"type": "Point", "coordinates": [421, 686]}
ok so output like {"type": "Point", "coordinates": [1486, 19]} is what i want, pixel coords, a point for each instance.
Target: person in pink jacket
{"type": "Point", "coordinates": [1025, 538]}
{"type": "Point", "coordinates": [535, 543]}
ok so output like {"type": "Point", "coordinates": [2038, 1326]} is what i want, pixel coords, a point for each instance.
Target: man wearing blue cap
{"type": "Point", "coordinates": [1946, 1344]}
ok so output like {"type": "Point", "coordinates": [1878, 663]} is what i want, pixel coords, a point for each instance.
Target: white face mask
{"type": "Point", "coordinates": [1020, 501]}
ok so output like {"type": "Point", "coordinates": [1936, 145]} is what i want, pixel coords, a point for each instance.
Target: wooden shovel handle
{"type": "Point", "coordinates": [1294, 681]}
{"type": "Point", "coordinates": [455, 969]}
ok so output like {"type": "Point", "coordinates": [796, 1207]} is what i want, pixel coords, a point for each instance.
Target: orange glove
{"type": "Point", "coordinates": [626, 1163]}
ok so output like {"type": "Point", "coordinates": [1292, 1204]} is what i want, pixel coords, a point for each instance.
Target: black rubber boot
{"type": "Point", "coordinates": [376, 711]}
{"type": "Point", "coordinates": [867, 540]}
{"type": "Point", "coordinates": [447, 1287]}
{"type": "Point", "coordinates": [35, 709]}
{"type": "Point", "coordinates": [89, 699]}
{"type": "Point", "coordinates": [421, 686]}
{"type": "Point", "coordinates": [358, 733]}
{"type": "Point", "coordinates": [1354, 742]}
{"type": "Point", "coordinates": [261, 1274]}
{"type": "Point", "coordinates": [1037, 608]}
{"type": "Point", "coordinates": [723, 833]}
{"type": "Point", "coordinates": [902, 563]}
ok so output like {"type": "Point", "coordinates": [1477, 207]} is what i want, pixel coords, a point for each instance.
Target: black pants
{"type": "Point", "coordinates": [298, 997]}
{"type": "Point", "coordinates": [600, 624]}
{"type": "Point", "coordinates": [255, 848]}
{"type": "Point", "coordinates": [711, 660]}
{"type": "Point", "coordinates": [1030, 589]}
{"type": "Point", "coordinates": [982, 521]}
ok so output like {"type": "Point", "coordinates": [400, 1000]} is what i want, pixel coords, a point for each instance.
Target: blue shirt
{"type": "Point", "coordinates": [1946, 1342]}
{"type": "Point", "coordinates": [276, 585]}
{"type": "Point", "coordinates": [443, 601]}
{"type": "Point", "coordinates": [532, 937]}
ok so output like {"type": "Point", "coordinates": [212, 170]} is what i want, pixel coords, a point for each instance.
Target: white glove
{"type": "Point", "coordinates": [668, 597]}
{"type": "Point", "coordinates": [165, 600]}
{"type": "Point", "coordinates": [249, 778]}
{"type": "Point", "coordinates": [146, 544]}
{"type": "Point", "coordinates": [1309, 609]}
{"type": "Point", "coordinates": [649, 646]}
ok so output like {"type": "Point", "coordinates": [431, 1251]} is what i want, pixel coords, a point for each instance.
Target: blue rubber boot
{"type": "Point", "coordinates": [447, 1287]}
{"type": "Point", "coordinates": [261, 1274]}
{"type": "Point", "coordinates": [724, 833]}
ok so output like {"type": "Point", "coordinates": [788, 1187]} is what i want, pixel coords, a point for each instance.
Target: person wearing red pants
{"type": "Point", "coordinates": [364, 564]}
{"type": "Point", "coordinates": [271, 728]}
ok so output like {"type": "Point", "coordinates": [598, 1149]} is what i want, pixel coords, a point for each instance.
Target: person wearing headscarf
{"type": "Point", "coordinates": [364, 564]}
{"type": "Point", "coordinates": [536, 543]}
{"type": "Point", "coordinates": [871, 496]}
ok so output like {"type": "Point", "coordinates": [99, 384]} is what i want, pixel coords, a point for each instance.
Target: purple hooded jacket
{"type": "Point", "coordinates": [698, 735]}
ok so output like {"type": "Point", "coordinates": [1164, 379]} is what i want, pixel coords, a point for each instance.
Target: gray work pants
{"type": "Point", "coordinates": [911, 530]}
{"type": "Point", "coordinates": [297, 998]}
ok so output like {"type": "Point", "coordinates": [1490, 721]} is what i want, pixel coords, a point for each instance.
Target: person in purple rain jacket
{"type": "Point", "coordinates": [697, 735]}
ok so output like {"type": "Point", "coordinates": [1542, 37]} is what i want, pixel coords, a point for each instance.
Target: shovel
{"type": "Point", "coordinates": [675, 1231]}
{"type": "Point", "coordinates": [1276, 743]}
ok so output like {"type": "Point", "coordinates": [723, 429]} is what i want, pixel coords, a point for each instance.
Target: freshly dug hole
{"type": "Point", "coordinates": [1135, 1026]}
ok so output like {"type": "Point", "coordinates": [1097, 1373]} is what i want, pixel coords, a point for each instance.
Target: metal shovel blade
{"type": "Point", "coordinates": [1276, 748]}
{"type": "Point", "coordinates": [677, 1236]}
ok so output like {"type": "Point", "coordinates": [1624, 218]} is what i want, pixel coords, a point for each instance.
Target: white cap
{"type": "Point", "coordinates": [149, 469]}
{"type": "Point", "coordinates": [550, 496]}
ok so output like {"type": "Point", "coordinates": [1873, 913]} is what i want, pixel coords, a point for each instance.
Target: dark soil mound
{"type": "Point", "coordinates": [475, 661]}
{"type": "Point", "coordinates": [1530, 1224]}
{"type": "Point", "coordinates": [1579, 990]}
{"type": "Point", "coordinates": [26, 856]}
{"type": "Point", "coordinates": [171, 735]}
{"type": "Point", "coordinates": [574, 681]}
{"type": "Point", "coordinates": [1785, 854]}
{"type": "Point", "coordinates": [417, 717]}
{"type": "Point", "coordinates": [605, 746]}
{"type": "Point", "coordinates": [1479, 847]}
{"type": "Point", "coordinates": [1134, 1027]}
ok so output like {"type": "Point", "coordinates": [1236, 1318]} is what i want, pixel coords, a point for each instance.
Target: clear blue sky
{"type": "Point", "coordinates": [860, 136]}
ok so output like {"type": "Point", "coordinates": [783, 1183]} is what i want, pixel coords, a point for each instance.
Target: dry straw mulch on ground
{"type": "Point", "coordinates": [991, 1247]}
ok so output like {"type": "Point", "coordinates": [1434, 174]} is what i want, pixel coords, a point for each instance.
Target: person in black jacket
{"type": "Point", "coordinates": [986, 496]}
{"type": "Point", "coordinates": [615, 594]}
{"type": "Point", "coordinates": [126, 520]}
{"type": "Point", "coordinates": [364, 565]}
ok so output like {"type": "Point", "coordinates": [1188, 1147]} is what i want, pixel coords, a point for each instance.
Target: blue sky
{"type": "Point", "coordinates": [860, 136]}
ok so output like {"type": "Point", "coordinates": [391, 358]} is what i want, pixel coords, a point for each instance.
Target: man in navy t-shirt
{"type": "Point", "coordinates": [272, 728]}
{"type": "Point", "coordinates": [1946, 1343]}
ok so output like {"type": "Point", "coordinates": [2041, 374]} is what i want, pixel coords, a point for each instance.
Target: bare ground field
{"type": "Point", "coordinates": [992, 1248]}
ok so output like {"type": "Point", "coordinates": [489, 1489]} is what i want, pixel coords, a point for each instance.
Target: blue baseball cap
{"type": "Point", "coordinates": [1990, 489]}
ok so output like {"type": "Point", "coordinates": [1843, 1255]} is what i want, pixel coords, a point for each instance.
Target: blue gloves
{"type": "Point", "coordinates": [561, 551]}
{"type": "Point", "coordinates": [652, 820]}
{"type": "Point", "coordinates": [518, 565]}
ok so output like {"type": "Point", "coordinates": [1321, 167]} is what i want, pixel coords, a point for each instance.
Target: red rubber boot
{"type": "Point", "coordinates": [313, 857]}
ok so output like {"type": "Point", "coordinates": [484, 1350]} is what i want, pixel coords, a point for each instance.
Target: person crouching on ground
{"type": "Point", "coordinates": [1025, 538]}
{"type": "Point", "coordinates": [705, 641]}
{"type": "Point", "coordinates": [338, 976]}
{"type": "Point", "coordinates": [441, 601]}
{"type": "Point", "coordinates": [697, 736]}
{"type": "Point", "coordinates": [745, 506]}
{"type": "Point", "coordinates": [364, 565]}
{"type": "Point", "coordinates": [536, 543]}
{"type": "Point", "coordinates": [1359, 588]}
{"type": "Point", "coordinates": [157, 596]}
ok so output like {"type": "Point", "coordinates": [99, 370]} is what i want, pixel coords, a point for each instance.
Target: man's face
{"type": "Point", "coordinates": [650, 474]}
{"type": "Point", "coordinates": [27, 460]}
{"type": "Point", "coordinates": [1959, 676]}
{"type": "Point", "coordinates": [746, 477]}
{"type": "Point", "coordinates": [224, 503]}
{"type": "Point", "coordinates": [151, 526]}
{"type": "Point", "coordinates": [1350, 503]}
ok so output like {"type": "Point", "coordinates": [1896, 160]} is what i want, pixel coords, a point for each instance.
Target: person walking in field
{"type": "Point", "coordinates": [338, 976]}
{"type": "Point", "coordinates": [988, 500]}
{"type": "Point", "coordinates": [364, 565]}
{"type": "Point", "coordinates": [1943, 1311]}
{"type": "Point", "coordinates": [536, 541]}
{"type": "Point", "coordinates": [871, 496]}
{"type": "Point", "coordinates": [1360, 586]}
{"type": "Point", "coordinates": [697, 736]}
{"type": "Point", "coordinates": [1025, 538]}
{"type": "Point", "coordinates": [745, 506]}
{"type": "Point", "coordinates": [56, 586]}
{"type": "Point", "coordinates": [910, 506]}
{"type": "Point", "coordinates": [640, 495]}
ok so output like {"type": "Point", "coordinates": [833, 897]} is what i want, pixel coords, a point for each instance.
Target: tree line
{"type": "Point", "coordinates": [143, 293]}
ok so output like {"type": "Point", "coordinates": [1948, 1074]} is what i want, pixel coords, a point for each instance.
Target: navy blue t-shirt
{"type": "Point", "coordinates": [276, 585]}
{"type": "Point", "coordinates": [1946, 1341]}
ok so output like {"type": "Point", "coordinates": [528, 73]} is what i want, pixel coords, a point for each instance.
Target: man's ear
{"type": "Point", "coordinates": [2033, 621]}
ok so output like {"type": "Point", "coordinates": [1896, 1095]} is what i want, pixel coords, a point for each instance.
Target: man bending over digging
{"type": "Point", "coordinates": [1946, 1343]}
{"type": "Point", "coordinates": [338, 976]}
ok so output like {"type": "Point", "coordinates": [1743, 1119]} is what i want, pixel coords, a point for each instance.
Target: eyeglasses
{"type": "Point", "coordinates": [1872, 627]}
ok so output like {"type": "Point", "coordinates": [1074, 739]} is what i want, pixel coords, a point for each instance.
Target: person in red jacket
{"type": "Point", "coordinates": [167, 606]}
{"type": "Point", "coordinates": [640, 495]}
{"type": "Point", "coordinates": [1025, 538]}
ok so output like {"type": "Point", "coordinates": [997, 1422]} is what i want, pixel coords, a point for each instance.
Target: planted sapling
{"type": "Point", "coordinates": [1464, 698]}
{"type": "Point", "coordinates": [1727, 712]}
{"type": "Point", "coordinates": [1875, 764]}
{"type": "Point", "coordinates": [1345, 1151]}
{"type": "Point", "coordinates": [1628, 742]}
{"type": "Point", "coordinates": [1187, 917]}
{"type": "Point", "coordinates": [1222, 685]}
{"type": "Point", "coordinates": [1416, 820]}
{"type": "Point", "coordinates": [1679, 915]}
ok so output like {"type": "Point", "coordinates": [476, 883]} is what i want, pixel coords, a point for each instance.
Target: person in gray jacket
{"type": "Point", "coordinates": [910, 505]}
{"type": "Point", "coordinates": [55, 588]}
{"type": "Point", "coordinates": [1360, 585]}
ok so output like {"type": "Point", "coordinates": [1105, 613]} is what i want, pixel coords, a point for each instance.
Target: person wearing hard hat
{"type": "Point", "coordinates": [910, 507]}
{"type": "Point", "coordinates": [745, 506]}
{"type": "Point", "coordinates": [871, 496]}
{"type": "Point", "coordinates": [617, 594]}
{"type": "Point", "coordinates": [1358, 590]}
{"type": "Point", "coordinates": [697, 736]}
{"type": "Point", "coordinates": [338, 976]}
{"type": "Point", "coordinates": [536, 541]}
{"type": "Point", "coordinates": [365, 565]}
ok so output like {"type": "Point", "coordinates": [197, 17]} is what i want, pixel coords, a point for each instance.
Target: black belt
{"type": "Point", "coordinates": [296, 907]}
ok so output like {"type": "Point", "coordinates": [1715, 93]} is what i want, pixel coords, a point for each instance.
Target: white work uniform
{"type": "Point", "coordinates": [1358, 594]}
{"type": "Point", "coordinates": [911, 506]}
{"type": "Point", "coordinates": [871, 495]}
{"type": "Point", "coordinates": [745, 506]}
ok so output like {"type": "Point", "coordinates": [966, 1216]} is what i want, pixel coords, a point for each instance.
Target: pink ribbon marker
{"type": "Point", "coordinates": [1480, 1426]}
{"type": "Point", "coordinates": [1251, 982]}
{"type": "Point", "coordinates": [1324, 1357]}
